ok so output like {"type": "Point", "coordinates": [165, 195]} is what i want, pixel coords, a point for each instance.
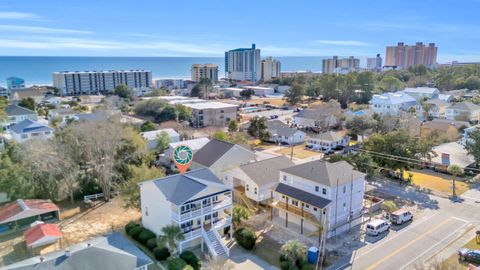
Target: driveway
{"type": "Point", "coordinates": [243, 259]}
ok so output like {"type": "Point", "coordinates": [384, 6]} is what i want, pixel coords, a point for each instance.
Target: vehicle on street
{"type": "Point", "coordinates": [400, 216]}
{"type": "Point", "coordinates": [328, 152]}
{"type": "Point", "coordinates": [377, 226]}
{"type": "Point", "coordinates": [469, 255]}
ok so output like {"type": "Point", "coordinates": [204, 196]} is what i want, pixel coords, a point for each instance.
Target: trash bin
{"type": "Point", "coordinates": [312, 255]}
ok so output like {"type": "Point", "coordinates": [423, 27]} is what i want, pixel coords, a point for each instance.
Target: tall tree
{"type": "Point", "coordinates": [295, 93]}
{"type": "Point", "coordinates": [247, 94]}
{"type": "Point", "coordinates": [123, 91]}
{"type": "Point", "coordinates": [455, 171]}
{"type": "Point", "coordinates": [472, 145]}
{"type": "Point", "coordinates": [171, 234]}
{"type": "Point", "coordinates": [163, 140]}
{"type": "Point", "coordinates": [28, 103]}
{"type": "Point", "coordinates": [232, 126]}
{"type": "Point", "coordinates": [258, 128]}
{"type": "Point", "coordinates": [202, 89]}
{"type": "Point", "coordinates": [129, 190]}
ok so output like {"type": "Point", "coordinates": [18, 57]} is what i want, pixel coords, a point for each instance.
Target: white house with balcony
{"type": "Point", "coordinates": [197, 201]}
{"type": "Point", "coordinates": [319, 192]}
{"type": "Point", "coordinates": [391, 103]}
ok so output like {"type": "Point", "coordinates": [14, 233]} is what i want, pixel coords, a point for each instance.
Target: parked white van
{"type": "Point", "coordinates": [377, 226]}
{"type": "Point", "coordinates": [400, 216]}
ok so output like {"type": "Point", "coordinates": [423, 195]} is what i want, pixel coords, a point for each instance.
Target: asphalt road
{"type": "Point", "coordinates": [437, 230]}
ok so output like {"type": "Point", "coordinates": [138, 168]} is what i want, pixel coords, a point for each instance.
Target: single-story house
{"type": "Point", "coordinates": [451, 153]}
{"type": "Point", "coordinates": [442, 127]}
{"type": "Point", "coordinates": [28, 129]}
{"type": "Point", "coordinates": [21, 213]}
{"type": "Point", "coordinates": [152, 136]}
{"type": "Point", "coordinates": [321, 118]}
{"type": "Point", "coordinates": [463, 111]}
{"type": "Point", "coordinates": [329, 140]}
{"type": "Point", "coordinates": [110, 252]}
{"type": "Point", "coordinates": [41, 234]}
{"type": "Point", "coordinates": [282, 133]}
{"type": "Point", "coordinates": [16, 114]}
{"type": "Point", "coordinates": [62, 113]}
{"type": "Point", "coordinates": [445, 97]}
{"type": "Point", "coordinates": [256, 179]}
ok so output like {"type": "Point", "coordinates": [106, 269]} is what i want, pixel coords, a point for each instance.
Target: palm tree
{"type": "Point", "coordinates": [171, 235]}
{"type": "Point", "coordinates": [294, 250]}
{"type": "Point", "coordinates": [454, 170]}
{"type": "Point", "coordinates": [239, 213]}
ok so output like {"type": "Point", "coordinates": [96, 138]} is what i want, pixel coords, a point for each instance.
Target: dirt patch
{"type": "Point", "coordinates": [299, 151]}
{"type": "Point", "coordinates": [91, 223]}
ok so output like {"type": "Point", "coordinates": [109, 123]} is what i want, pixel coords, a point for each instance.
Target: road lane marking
{"type": "Point", "coordinates": [397, 234]}
{"type": "Point", "coordinates": [441, 241]}
{"type": "Point", "coordinates": [461, 219]}
{"type": "Point", "coordinates": [407, 245]}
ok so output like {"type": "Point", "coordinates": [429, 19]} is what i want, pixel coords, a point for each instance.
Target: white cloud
{"type": "Point", "coordinates": [12, 15]}
{"type": "Point", "coordinates": [41, 30]}
{"type": "Point", "coordinates": [342, 42]}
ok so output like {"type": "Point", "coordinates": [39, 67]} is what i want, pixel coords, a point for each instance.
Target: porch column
{"type": "Point", "coordinates": [301, 226]}
{"type": "Point", "coordinates": [231, 232]}
{"type": "Point", "coordinates": [286, 213]}
{"type": "Point", "coordinates": [201, 244]}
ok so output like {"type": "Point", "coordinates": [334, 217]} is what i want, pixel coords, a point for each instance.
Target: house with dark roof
{"type": "Point", "coordinates": [220, 157]}
{"type": "Point", "coordinates": [282, 133]}
{"type": "Point", "coordinates": [463, 111]}
{"type": "Point", "coordinates": [17, 114]}
{"type": "Point", "coordinates": [256, 179]}
{"type": "Point", "coordinates": [319, 192]}
{"type": "Point", "coordinates": [329, 140]}
{"type": "Point", "coordinates": [110, 252]}
{"type": "Point", "coordinates": [28, 130]}
{"type": "Point", "coordinates": [197, 201]}
{"type": "Point", "coordinates": [22, 213]}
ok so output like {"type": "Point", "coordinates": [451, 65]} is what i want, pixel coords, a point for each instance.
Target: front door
{"type": "Point", "coordinates": [207, 224]}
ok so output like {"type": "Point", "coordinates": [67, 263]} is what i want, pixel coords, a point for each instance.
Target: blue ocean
{"type": "Point", "coordinates": [37, 70]}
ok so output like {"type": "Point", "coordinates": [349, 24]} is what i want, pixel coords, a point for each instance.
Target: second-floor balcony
{"type": "Point", "coordinates": [202, 208]}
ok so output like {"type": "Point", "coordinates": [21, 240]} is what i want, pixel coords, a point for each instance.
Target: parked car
{"type": "Point", "coordinates": [377, 226]}
{"type": "Point", "coordinates": [328, 152]}
{"type": "Point", "coordinates": [469, 255]}
{"type": "Point", "coordinates": [284, 108]}
{"type": "Point", "coordinates": [400, 216]}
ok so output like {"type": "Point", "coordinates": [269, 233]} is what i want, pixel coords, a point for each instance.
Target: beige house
{"type": "Point", "coordinates": [445, 128]}
{"type": "Point", "coordinates": [464, 111]}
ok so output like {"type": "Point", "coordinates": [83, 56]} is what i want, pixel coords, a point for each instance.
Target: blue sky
{"type": "Point", "coordinates": [208, 28]}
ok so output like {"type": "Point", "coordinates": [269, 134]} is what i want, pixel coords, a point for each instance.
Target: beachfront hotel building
{"type": "Point", "coordinates": [335, 64]}
{"type": "Point", "coordinates": [405, 56]}
{"type": "Point", "coordinates": [243, 64]}
{"type": "Point", "coordinates": [95, 82]}
{"type": "Point", "coordinates": [271, 69]}
{"type": "Point", "coordinates": [208, 71]}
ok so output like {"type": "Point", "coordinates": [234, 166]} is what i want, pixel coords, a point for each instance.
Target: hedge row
{"type": "Point", "coordinates": [245, 237]}
{"type": "Point", "coordinates": [148, 239]}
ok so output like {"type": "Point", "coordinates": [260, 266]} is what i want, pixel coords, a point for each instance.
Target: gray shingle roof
{"type": "Point", "coordinates": [180, 188]}
{"type": "Point", "coordinates": [466, 106]}
{"type": "Point", "coordinates": [111, 252]}
{"type": "Point", "coordinates": [329, 136]}
{"type": "Point", "coordinates": [280, 128]}
{"type": "Point", "coordinates": [266, 171]}
{"type": "Point", "coordinates": [301, 195]}
{"type": "Point", "coordinates": [211, 152]}
{"type": "Point", "coordinates": [325, 173]}
{"type": "Point", "coordinates": [14, 110]}
{"type": "Point", "coordinates": [27, 126]}
{"type": "Point", "coordinates": [317, 114]}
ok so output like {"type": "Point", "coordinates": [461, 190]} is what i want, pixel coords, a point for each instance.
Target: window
{"type": "Point", "coordinates": [255, 190]}
{"type": "Point", "coordinates": [344, 189]}
{"type": "Point", "coordinates": [295, 203]}
{"type": "Point", "coordinates": [315, 209]}
{"type": "Point", "coordinates": [344, 207]}
{"type": "Point", "coordinates": [24, 136]}
{"type": "Point", "coordinates": [248, 187]}
{"type": "Point", "coordinates": [146, 211]}
{"type": "Point", "coordinates": [324, 191]}
{"type": "Point", "coordinates": [317, 188]}
{"type": "Point", "coordinates": [284, 178]}
{"type": "Point", "coordinates": [283, 197]}
{"type": "Point", "coordinates": [307, 206]}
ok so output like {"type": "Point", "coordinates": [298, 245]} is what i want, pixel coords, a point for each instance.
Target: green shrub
{"type": "Point", "coordinates": [161, 253]}
{"type": "Point", "coordinates": [130, 225]}
{"type": "Point", "coordinates": [284, 265]}
{"type": "Point", "coordinates": [308, 267]}
{"type": "Point", "coordinates": [145, 235]}
{"type": "Point", "coordinates": [293, 267]}
{"type": "Point", "coordinates": [245, 237]}
{"type": "Point", "coordinates": [152, 243]}
{"type": "Point", "coordinates": [135, 232]}
{"type": "Point", "coordinates": [283, 258]}
{"type": "Point", "coordinates": [301, 263]}
{"type": "Point", "coordinates": [188, 267]}
{"type": "Point", "coordinates": [191, 259]}
{"type": "Point", "coordinates": [176, 264]}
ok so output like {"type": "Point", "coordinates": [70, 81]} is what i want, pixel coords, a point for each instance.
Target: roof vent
{"type": "Point", "coordinates": [22, 204]}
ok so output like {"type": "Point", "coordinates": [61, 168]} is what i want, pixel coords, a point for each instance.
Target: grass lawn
{"type": "Point", "coordinates": [268, 249]}
{"type": "Point", "coordinates": [453, 260]}
{"type": "Point", "coordinates": [299, 151]}
{"type": "Point", "coordinates": [437, 182]}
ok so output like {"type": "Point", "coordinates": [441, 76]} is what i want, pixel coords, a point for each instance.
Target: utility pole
{"type": "Point", "coordinates": [351, 197]}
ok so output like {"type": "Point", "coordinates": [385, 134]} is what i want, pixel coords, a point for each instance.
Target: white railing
{"type": "Point", "coordinates": [207, 209]}
{"type": "Point", "coordinates": [219, 239]}
{"type": "Point", "coordinates": [94, 196]}
{"type": "Point", "coordinates": [222, 222]}
{"type": "Point", "coordinates": [193, 233]}
{"type": "Point", "coordinates": [209, 244]}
